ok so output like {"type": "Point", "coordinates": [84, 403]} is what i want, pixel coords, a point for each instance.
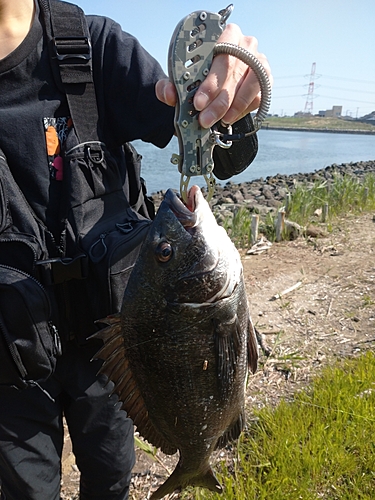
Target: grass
{"type": "Point", "coordinates": [346, 194]}
{"type": "Point", "coordinates": [320, 446]}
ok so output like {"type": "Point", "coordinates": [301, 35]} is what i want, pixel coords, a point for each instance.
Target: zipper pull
{"type": "Point", "coordinates": [99, 249]}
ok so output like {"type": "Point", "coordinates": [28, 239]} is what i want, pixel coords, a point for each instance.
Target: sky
{"type": "Point", "coordinates": [337, 35]}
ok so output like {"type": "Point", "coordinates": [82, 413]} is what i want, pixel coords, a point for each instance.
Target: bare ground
{"type": "Point", "coordinates": [330, 313]}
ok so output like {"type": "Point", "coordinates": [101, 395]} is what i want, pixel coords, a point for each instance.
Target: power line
{"type": "Point", "coordinates": [343, 99]}
{"type": "Point", "coordinates": [349, 90]}
{"type": "Point", "coordinates": [348, 79]}
{"type": "Point", "coordinates": [325, 76]}
{"type": "Point", "coordinates": [325, 87]}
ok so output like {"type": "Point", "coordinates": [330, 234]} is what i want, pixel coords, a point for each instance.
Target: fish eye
{"type": "Point", "coordinates": [164, 252]}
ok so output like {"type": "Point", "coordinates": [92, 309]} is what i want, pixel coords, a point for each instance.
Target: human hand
{"type": "Point", "coordinates": [231, 89]}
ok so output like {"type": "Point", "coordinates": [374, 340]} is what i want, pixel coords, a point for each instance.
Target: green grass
{"type": "Point", "coordinates": [320, 446]}
{"type": "Point", "coordinates": [345, 195]}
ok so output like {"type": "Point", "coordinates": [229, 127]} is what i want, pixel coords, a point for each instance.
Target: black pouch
{"type": "Point", "coordinates": [102, 225]}
{"type": "Point", "coordinates": [111, 257]}
{"type": "Point", "coordinates": [29, 343]}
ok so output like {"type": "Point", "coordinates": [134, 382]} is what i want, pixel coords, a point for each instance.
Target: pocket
{"type": "Point", "coordinates": [112, 252]}
{"type": "Point", "coordinates": [29, 342]}
{"type": "Point", "coordinates": [90, 171]}
{"type": "Point", "coordinates": [113, 255]}
{"type": "Point", "coordinates": [20, 250]}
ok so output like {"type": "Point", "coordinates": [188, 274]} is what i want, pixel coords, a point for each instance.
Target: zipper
{"type": "Point", "coordinates": [10, 268]}
{"type": "Point", "coordinates": [5, 238]}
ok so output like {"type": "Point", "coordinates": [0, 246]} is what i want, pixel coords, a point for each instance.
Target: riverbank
{"type": "Point", "coordinates": [314, 123]}
{"type": "Point", "coordinates": [265, 195]}
{"type": "Point", "coordinates": [267, 126]}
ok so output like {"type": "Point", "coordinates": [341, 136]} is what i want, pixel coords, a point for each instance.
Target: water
{"type": "Point", "coordinates": [280, 152]}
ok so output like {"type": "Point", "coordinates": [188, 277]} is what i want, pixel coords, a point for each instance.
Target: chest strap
{"type": "Point", "coordinates": [71, 59]}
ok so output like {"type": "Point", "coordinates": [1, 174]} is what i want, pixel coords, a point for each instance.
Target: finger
{"type": "Point", "coordinates": [248, 96]}
{"type": "Point", "coordinates": [223, 65]}
{"type": "Point", "coordinates": [166, 92]}
{"type": "Point", "coordinates": [231, 86]}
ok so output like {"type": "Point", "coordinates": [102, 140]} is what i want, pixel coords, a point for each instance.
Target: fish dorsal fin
{"type": "Point", "coordinates": [116, 367]}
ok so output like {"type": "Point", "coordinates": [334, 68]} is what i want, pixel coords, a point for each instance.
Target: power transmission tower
{"type": "Point", "coordinates": [310, 93]}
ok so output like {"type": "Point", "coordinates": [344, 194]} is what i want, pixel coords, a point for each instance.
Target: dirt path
{"type": "Point", "coordinates": [330, 314]}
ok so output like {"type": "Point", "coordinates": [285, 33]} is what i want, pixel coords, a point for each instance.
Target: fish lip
{"type": "Point", "coordinates": [187, 218]}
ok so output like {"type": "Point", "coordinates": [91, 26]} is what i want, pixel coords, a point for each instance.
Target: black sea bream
{"type": "Point", "coordinates": [180, 351]}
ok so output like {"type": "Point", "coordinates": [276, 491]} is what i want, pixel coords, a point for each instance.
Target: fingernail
{"type": "Point", "coordinates": [201, 100]}
{"type": "Point", "coordinates": [207, 119]}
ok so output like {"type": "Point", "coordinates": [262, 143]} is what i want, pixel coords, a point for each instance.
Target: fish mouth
{"type": "Point", "coordinates": [187, 213]}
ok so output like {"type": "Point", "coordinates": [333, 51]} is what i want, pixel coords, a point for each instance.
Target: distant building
{"type": "Point", "coordinates": [335, 112]}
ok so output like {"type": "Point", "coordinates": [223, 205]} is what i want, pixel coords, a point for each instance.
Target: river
{"type": "Point", "coordinates": [280, 152]}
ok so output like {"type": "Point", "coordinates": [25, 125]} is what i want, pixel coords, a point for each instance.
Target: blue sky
{"type": "Point", "coordinates": [337, 35]}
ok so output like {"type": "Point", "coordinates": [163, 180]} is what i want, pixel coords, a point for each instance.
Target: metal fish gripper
{"type": "Point", "coordinates": [192, 48]}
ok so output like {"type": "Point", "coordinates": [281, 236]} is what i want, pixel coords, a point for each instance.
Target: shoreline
{"type": "Point", "coordinates": [268, 194]}
{"type": "Point", "coordinates": [321, 130]}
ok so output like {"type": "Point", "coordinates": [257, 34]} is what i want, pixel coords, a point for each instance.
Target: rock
{"type": "Point", "coordinates": [292, 230]}
{"type": "Point", "coordinates": [265, 195]}
{"type": "Point", "coordinates": [315, 232]}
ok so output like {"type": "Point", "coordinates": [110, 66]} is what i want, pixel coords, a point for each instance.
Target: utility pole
{"type": "Point", "coordinates": [310, 94]}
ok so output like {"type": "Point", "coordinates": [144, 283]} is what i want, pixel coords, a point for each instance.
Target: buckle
{"type": "Point", "coordinates": [55, 271]}
{"type": "Point", "coordinates": [72, 47]}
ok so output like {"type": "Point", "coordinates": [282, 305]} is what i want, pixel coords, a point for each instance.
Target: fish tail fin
{"type": "Point", "coordinates": [180, 479]}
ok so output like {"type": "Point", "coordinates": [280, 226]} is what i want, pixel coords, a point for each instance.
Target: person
{"type": "Point", "coordinates": [135, 101]}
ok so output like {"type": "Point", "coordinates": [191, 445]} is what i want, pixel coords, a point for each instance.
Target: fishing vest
{"type": "Point", "coordinates": [48, 295]}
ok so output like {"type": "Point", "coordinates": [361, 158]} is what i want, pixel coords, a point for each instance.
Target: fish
{"type": "Point", "coordinates": [180, 351]}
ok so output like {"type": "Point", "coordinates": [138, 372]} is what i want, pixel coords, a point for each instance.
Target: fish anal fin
{"type": "Point", "coordinates": [233, 432]}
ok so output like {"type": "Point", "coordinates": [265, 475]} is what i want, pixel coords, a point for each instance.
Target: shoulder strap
{"type": "Point", "coordinates": [71, 59]}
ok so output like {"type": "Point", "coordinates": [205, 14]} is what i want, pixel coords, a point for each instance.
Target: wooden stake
{"type": "Point", "coordinates": [287, 203]}
{"type": "Point", "coordinates": [254, 228]}
{"type": "Point", "coordinates": [280, 225]}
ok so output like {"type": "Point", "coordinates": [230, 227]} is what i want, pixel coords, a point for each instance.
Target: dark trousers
{"type": "Point", "coordinates": [31, 434]}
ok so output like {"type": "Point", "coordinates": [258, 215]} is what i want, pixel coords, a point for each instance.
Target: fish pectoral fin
{"type": "Point", "coordinates": [181, 479]}
{"type": "Point", "coordinates": [227, 343]}
{"type": "Point", "coordinates": [252, 347]}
